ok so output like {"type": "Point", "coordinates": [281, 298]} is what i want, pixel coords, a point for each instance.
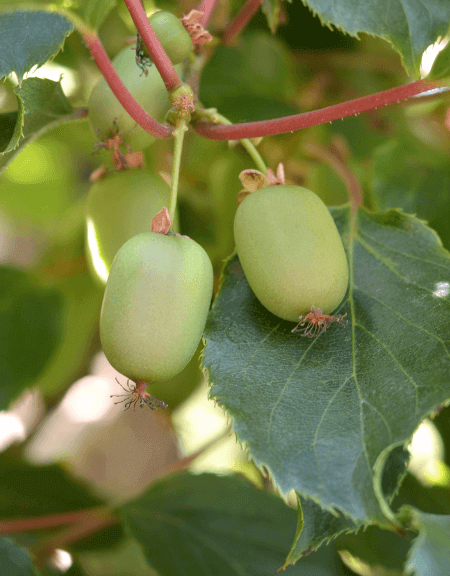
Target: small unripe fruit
{"type": "Point", "coordinates": [119, 206]}
{"type": "Point", "coordinates": [155, 305]}
{"type": "Point", "coordinates": [172, 34]}
{"type": "Point", "coordinates": [106, 113]}
{"type": "Point", "coordinates": [291, 251]}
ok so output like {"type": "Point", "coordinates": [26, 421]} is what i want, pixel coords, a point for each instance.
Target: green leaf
{"type": "Point", "coordinates": [30, 38]}
{"type": "Point", "coordinates": [410, 26]}
{"type": "Point", "coordinates": [403, 176]}
{"type": "Point", "coordinates": [27, 490]}
{"type": "Point", "coordinates": [42, 106]}
{"type": "Point", "coordinates": [15, 560]}
{"type": "Point", "coordinates": [211, 525]}
{"type": "Point", "coordinates": [321, 413]}
{"type": "Point", "coordinates": [30, 325]}
{"type": "Point", "coordinates": [430, 551]}
{"type": "Point", "coordinates": [314, 526]}
{"type": "Point", "coordinates": [96, 11]}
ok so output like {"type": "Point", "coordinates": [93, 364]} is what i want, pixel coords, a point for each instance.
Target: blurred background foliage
{"type": "Point", "coordinates": [399, 154]}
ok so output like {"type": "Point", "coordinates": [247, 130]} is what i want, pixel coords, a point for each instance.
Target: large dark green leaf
{"type": "Point", "coordinates": [210, 525]}
{"type": "Point", "coordinates": [430, 552]}
{"type": "Point", "coordinates": [14, 560]}
{"type": "Point", "coordinates": [30, 38]}
{"type": "Point", "coordinates": [322, 415]}
{"type": "Point", "coordinates": [409, 25]}
{"type": "Point", "coordinates": [42, 106]}
{"type": "Point", "coordinates": [30, 327]}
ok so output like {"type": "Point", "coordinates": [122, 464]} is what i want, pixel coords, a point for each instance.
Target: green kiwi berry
{"type": "Point", "coordinates": [172, 34]}
{"type": "Point", "coordinates": [155, 305]}
{"type": "Point", "coordinates": [291, 251]}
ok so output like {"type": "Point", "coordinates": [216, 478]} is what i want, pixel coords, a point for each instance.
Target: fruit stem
{"type": "Point", "coordinates": [178, 147]}
{"type": "Point", "coordinates": [157, 53]}
{"type": "Point", "coordinates": [213, 116]}
{"type": "Point", "coordinates": [242, 18]}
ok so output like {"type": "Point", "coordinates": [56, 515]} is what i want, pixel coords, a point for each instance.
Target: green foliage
{"type": "Point", "coordinates": [205, 525]}
{"type": "Point", "coordinates": [430, 551]}
{"type": "Point", "coordinates": [29, 39]}
{"type": "Point", "coordinates": [42, 106]}
{"type": "Point", "coordinates": [324, 422]}
{"type": "Point", "coordinates": [30, 327]}
{"type": "Point", "coordinates": [361, 389]}
{"type": "Point", "coordinates": [14, 560]}
{"type": "Point", "coordinates": [409, 30]}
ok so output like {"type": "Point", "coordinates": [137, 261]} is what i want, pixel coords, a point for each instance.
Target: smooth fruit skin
{"type": "Point", "coordinates": [173, 35]}
{"type": "Point", "coordinates": [290, 251]}
{"type": "Point", "coordinates": [119, 206]}
{"type": "Point", "coordinates": [155, 305]}
{"type": "Point", "coordinates": [149, 91]}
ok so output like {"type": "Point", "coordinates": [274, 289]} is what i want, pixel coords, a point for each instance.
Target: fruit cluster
{"type": "Point", "coordinates": [159, 284]}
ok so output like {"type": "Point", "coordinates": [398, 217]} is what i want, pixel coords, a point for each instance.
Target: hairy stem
{"type": "Point", "coordinates": [308, 119]}
{"type": "Point", "coordinates": [235, 27]}
{"type": "Point", "coordinates": [120, 91]}
{"type": "Point", "coordinates": [162, 62]}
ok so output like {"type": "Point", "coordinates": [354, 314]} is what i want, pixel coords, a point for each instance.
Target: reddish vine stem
{"type": "Point", "coordinates": [314, 118]}
{"type": "Point", "coordinates": [120, 91]}
{"type": "Point", "coordinates": [206, 6]}
{"type": "Point", "coordinates": [235, 27]}
{"type": "Point", "coordinates": [162, 62]}
{"type": "Point", "coordinates": [44, 522]}
{"type": "Point", "coordinates": [341, 169]}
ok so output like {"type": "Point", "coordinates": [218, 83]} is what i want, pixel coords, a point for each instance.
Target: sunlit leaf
{"type": "Point", "coordinates": [30, 38]}
{"type": "Point", "coordinates": [42, 106]}
{"type": "Point", "coordinates": [409, 26]}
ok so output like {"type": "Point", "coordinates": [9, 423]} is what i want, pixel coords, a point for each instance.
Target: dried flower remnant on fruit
{"type": "Point", "coordinates": [198, 34]}
{"type": "Point", "coordinates": [135, 394]}
{"type": "Point", "coordinates": [161, 223]}
{"type": "Point", "coordinates": [317, 322]}
{"type": "Point", "coordinates": [119, 159]}
{"type": "Point", "coordinates": [253, 180]}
